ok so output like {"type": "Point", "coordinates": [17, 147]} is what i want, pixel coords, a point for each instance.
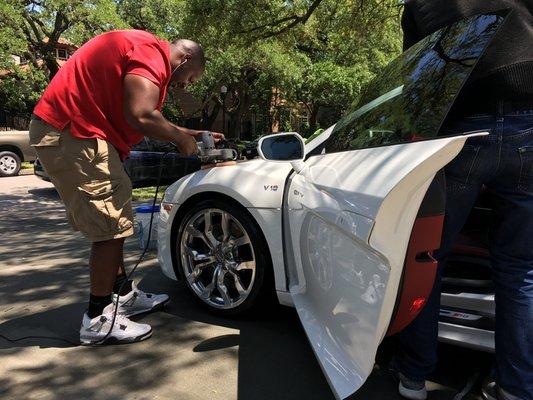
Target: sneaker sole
{"type": "Point", "coordinates": [113, 340]}
{"type": "Point", "coordinates": [403, 391]}
{"type": "Point", "coordinates": [411, 394]}
{"type": "Point", "coordinates": [157, 307]}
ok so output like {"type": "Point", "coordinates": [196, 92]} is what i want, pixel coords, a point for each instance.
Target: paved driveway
{"type": "Point", "coordinates": [192, 355]}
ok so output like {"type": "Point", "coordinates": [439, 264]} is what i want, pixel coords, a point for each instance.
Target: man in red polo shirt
{"type": "Point", "coordinates": [106, 97]}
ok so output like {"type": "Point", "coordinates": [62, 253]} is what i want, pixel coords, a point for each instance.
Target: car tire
{"type": "Point", "coordinates": [252, 249]}
{"type": "Point", "coordinates": [10, 163]}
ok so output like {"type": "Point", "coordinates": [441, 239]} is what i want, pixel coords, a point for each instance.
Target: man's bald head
{"type": "Point", "coordinates": [187, 60]}
{"type": "Point", "coordinates": [189, 47]}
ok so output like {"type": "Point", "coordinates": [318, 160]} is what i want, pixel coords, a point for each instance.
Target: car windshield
{"type": "Point", "coordinates": [416, 90]}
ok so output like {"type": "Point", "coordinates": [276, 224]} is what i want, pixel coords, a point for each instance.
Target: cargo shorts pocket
{"type": "Point", "coordinates": [104, 210]}
{"type": "Point", "coordinates": [43, 135]}
{"type": "Point", "coordinates": [48, 140]}
{"type": "Point", "coordinates": [525, 181]}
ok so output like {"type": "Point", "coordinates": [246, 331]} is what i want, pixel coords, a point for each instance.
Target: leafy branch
{"type": "Point", "coordinates": [282, 25]}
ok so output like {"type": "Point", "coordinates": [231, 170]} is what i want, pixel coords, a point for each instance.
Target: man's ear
{"type": "Point", "coordinates": [187, 57]}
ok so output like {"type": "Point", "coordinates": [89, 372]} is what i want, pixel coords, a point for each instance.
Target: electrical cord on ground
{"type": "Point", "coordinates": [128, 275]}
{"type": "Point", "coordinates": [40, 337]}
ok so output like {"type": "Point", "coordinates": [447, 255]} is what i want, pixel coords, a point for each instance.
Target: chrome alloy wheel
{"type": "Point", "coordinates": [217, 258]}
{"type": "Point", "coordinates": [8, 164]}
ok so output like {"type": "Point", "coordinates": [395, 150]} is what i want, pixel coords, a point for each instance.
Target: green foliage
{"type": "Point", "coordinates": [32, 28]}
{"type": "Point", "coordinates": [161, 17]}
{"type": "Point", "coordinates": [323, 62]}
{"type": "Point", "coordinates": [11, 41]}
{"type": "Point", "coordinates": [37, 25]}
{"type": "Point", "coordinates": [88, 18]}
{"type": "Point", "coordinates": [274, 56]}
{"type": "Point", "coordinates": [20, 91]}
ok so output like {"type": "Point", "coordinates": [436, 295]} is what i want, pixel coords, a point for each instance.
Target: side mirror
{"type": "Point", "coordinates": [282, 147]}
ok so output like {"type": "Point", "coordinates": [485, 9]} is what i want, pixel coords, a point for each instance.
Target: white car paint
{"type": "Point", "coordinates": [350, 217]}
{"type": "Point", "coordinates": [365, 202]}
{"type": "Point", "coordinates": [344, 218]}
{"type": "Point", "coordinates": [256, 184]}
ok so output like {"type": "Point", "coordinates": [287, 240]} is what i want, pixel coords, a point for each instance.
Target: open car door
{"type": "Point", "coordinates": [349, 212]}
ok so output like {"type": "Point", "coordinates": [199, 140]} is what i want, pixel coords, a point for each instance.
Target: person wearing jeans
{"type": "Point", "coordinates": [503, 163]}
{"type": "Point", "coordinates": [498, 98]}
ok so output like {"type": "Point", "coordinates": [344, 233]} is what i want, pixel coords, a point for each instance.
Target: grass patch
{"type": "Point", "coordinates": [147, 193]}
{"type": "Point", "coordinates": [26, 165]}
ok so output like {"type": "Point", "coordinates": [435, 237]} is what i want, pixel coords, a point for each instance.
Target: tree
{"type": "Point", "coordinates": [41, 23]}
{"type": "Point", "coordinates": [161, 17]}
{"type": "Point", "coordinates": [317, 53]}
{"type": "Point", "coordinates": [270, 54]}
{"type": "Point", "coordinates": [20, 90]}
{"type": "Point", "coordinates": [327, 84]}
{"type": "Point", "coordinates": [12, 41]}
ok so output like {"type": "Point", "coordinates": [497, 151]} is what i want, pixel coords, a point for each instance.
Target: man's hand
{"type": "Point", "coordinates": [186, 144]}
{"type": "Point", "coordinates": [218, 136]}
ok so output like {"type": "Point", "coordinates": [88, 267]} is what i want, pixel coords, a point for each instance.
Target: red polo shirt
{"type": "Point", "coordinates": [87, 91]}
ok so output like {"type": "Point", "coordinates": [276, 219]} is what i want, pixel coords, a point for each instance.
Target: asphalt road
{"type": "Point", "coordinates": [192, 354]}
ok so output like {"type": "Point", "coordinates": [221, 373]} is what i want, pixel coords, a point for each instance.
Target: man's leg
{"type": "Point", "coordinates": [91, 181]}
{"type": "Point", "coordinates": [122, 285]}
{"type": "Point", "coordinates": [417, 355]}
{"type": "Point", "coordinates": [105, 261]}
{"type": "Point", "coordinates": [512, 263]}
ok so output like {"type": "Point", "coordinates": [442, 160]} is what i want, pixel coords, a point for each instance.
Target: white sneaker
{"type": "Point", "coordinates": [138, 302]}
{"type": "Point", "coordinates": [94, 330]}
{"type": "Point", "coordinates": [411, 389]}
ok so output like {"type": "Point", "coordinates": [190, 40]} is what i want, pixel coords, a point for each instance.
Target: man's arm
{"type": "Point", "coordinates": [140, 97]}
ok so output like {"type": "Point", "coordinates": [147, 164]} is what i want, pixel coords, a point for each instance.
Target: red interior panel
{"type": "Point", "coordinates": [420, 271]}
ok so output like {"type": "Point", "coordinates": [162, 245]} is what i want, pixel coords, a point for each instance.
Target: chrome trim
{"type": "Point", "coordinates": [473, 338]}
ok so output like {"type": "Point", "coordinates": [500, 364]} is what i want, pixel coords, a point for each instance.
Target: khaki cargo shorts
{"type": "Point", "coordinates": [90, 179]}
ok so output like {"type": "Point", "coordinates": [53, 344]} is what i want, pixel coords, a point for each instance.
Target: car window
{"type": "Point", "coordinates": [416, 90]}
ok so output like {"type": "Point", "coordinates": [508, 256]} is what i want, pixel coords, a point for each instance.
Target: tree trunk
{"type": "Point", "coordinates": [208, 118]}
{"type": "Point", "coordinates": [313, 118]}
{"type": "Point", "coordinates": [51, 64]}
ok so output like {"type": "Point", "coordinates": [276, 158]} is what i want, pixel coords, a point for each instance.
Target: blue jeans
{"type": "Point", "coordinates": [503, 162]}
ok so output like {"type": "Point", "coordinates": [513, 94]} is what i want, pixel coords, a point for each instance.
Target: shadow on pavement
{"type": "Point", "coordinates": [192, 355]}
{"type": "Point", "coordinates": [45, 193]}
{"type": "Point", "coordinates": [274, 359]}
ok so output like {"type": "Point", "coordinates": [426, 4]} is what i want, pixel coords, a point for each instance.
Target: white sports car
{"type": "Point", "coordinates": [343, 227]}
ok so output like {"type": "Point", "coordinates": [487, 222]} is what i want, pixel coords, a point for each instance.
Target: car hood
{"type": "Point", "coordinates": [255, 184]}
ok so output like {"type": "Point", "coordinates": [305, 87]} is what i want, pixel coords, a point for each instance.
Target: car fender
{"type": "Point", "coordinates": [254, 184]}
{"type": "Point", "coordinates": [257, 185]}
